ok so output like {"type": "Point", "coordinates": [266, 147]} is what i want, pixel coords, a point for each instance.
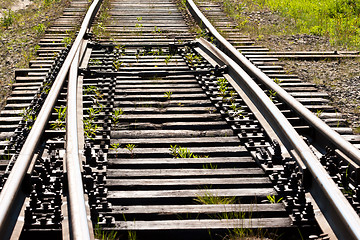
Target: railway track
{"type": "Point", "coordinates": [140, 130]}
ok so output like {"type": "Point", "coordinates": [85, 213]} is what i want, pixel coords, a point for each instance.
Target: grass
{"type": "Point", "coordinates": [60, 121]}
{"type": "Point", "coordinates": [182, 152]}
{"type": "Point", "coordinates": [130, 147]}
{"type": "Point", "coordinates": [117, 64]}
{"type": "Point", "coordinates": [90, 127]}
{"type": "Point", "coordinates": [8, 19]}
{"type": "Point", "coordinates": [116, 116]}
{"type": "Point", "coordinates": [240, 232]}
{"type": "Point", "coordinates": [338, 20]}
{"type": "Point", "coordinates": [99, 233]}
{"type": "Point", "coordinates": [168, 95]}
{"type": "Point", "coordinates": [28, 114]}
{"type": "Point", "coordinates": [272, 199]}
{"type": "Point", "coordinates": [99, 29]}
{"type": "Point", "coordinates": [209, 198]}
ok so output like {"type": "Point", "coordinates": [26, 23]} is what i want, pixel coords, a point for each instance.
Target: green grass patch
{"type": "Point", "coordinates": [337, 19]}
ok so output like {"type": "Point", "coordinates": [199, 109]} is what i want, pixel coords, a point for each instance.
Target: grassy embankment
{"type": "Point", "coordinates": [339, 20]}
{"type": "Point", "coordinates": [20, 32]}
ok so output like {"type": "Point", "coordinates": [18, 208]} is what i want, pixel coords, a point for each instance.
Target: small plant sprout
{"type": "Point", "coordinates": [236, 110]}
{"type": "Point", "coordinates": [131, 235]}
{"type": "Point", "coordinates": [66, 41]}
{"type": "Point", "coordinates": [272, 94]}
{"type": "Point", "coordinates": [118, 112]}
{"type": "Point", "coordinates": [90, 128]}
{"type": "Point", "coordinates": [130, 147]}
{"type": "Point", "coordinates": [168, 95]}
{"type": "Point", "coordinates": [8, 19]}
{"type": "Point", "coordinates": [192, 59]}
{"type": "Point", "coordinates": [120, 48]}
{"type": "Point", "coordinates": [99, 233]}
{"type": "Point", "coordinates": [232, 97]}
{"type": "Point", "coordinates": [223, 87]}
{"type": "Point", "coordinates": [60, 121]}
{"type": "Point", "coordinates": [139, 26]}
{"type": "Point", "coordinates": [272, 199]}
{"type": "Point", "coordinates": [210, 166]}
{"type": "Point", "coordinates": [182, 152]}
{"type": "Point", "coordinates": [117, 64]}
{"type": "Point", "coordinates": [115, 147]}
{"type": "Point", "coordinates": [93, 113]}
{"type": "Point", "coordinates": [319, 112]}
{"type": "Point", "coordinates": [167, 59]}
{"type": "Point", "coordinates": [93, 90]}
{"type": "Point", "coordinates": [210, 198]}
{"type": "Point", "coordinates": [27, 114]}
{"type": "Point", "coordinates": [157, 29]}
{"type": "Point", "coordinates": [277, 81]}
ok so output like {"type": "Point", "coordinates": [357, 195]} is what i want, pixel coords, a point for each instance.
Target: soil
{"type": "Point", "coordinates": [13, 5]}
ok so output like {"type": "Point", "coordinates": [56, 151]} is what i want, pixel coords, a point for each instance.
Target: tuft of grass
{"type": "Point", "coordinates": [336, 19]}
{"type": "Point", "coordinates": [209, 198]}
{"type": "Point", "coordinates": [28, 114]}
{"type": "Point", "coordinates": [67, 41]}
{"type": "Point", "coordinates": [101, 234]}
{"type": "Point", "coordinates": [272, 199]}
{"type": "Point", "coordinates": [210, 166]}
{"type": "Point", "coordinates": [118, 112]}
{"type": "Point", "coordinates": [90, 128]}
{"type": "Point", "coordinates": [319, 112]}
{"type": "Point", "coordinates": [182, 152]}
{"type": "Point", "coordinates": [8, 19]}
{"type": "Point", "coordinates": [131, 235]}
{"type": "Point", "coordinates": [40, 28]}
{"type": "Point", "coordinates": [61, 116]}
{"type": "Point", "coordinates": [168, 95]}
{"type": "Point", "coordinates": [130, 147]}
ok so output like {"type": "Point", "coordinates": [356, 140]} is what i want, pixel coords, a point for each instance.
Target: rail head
{"type": "Point", "coordinates": [10, 194]}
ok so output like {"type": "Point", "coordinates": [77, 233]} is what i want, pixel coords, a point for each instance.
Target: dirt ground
{"type": "Point", "coordinates": [13, 5]}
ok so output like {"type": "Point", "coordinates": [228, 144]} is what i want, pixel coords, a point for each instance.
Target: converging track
{"type": "Point", "coordinates": [138, 129]}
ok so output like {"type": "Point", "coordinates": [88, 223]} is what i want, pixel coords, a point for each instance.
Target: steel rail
{"type": "Point", "coordinates": [78, 216]}
{"type": "Point", "coordinates": [323, 129]}
{"type": "Point", "coordinates": [342, 217]}
{"type": "Point", "coordinates": [9, 197]}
